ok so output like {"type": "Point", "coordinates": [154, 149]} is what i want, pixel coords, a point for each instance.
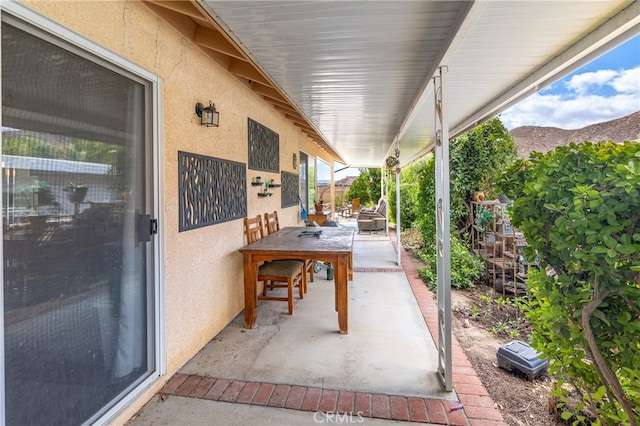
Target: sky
{"type": "Point", "coordinates": [605, 89]}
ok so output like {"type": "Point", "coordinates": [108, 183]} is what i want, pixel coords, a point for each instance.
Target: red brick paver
{"type": "Point", "coordinates": [232, 391]}
{"type": "Point", "coordinates": [263, 394]}
{"type": "Point", "coordinates": [328, 401]}
{"type": "Point", "coordinates": [363, 404]}
{"type": "Point", "coordinates": [247, 393]}
{"type": "Point", "coordinates": [311, 399]}
{"type": "Point", "coordinates": [295, 398]}
{"type": "Point", "coordinates": [399, 408]}
{"type": "Point", "coordinates": [217, 389]}
{"type": "Point", "coordinates": [279, 396]}
{"type": "Point", "coordinates": [380, 406]}
{"type": "Point", "coordinates": [417, 410]}
{"type": "Point", "coordinates": [345, 402]}
{"type": "Point", "coordinates": [203, 387]}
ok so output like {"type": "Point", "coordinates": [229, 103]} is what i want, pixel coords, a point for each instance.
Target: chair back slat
{"type": "Point", "coordinates": [253, 229]}
{"type": "Point", "coordinates": [271, 222]}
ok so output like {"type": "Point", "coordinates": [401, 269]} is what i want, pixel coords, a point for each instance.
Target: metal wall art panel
{"type": "Point", "coordinates": [290, 189]}
{"type": "Point", "coordinates": [264, 148]}
{"type": "Point", "coordinates": [211, 190]}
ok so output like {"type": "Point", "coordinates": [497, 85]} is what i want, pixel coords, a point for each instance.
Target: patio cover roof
{"type": "Point", "coordinates": [357, 76]}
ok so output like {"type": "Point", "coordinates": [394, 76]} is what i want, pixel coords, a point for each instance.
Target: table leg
{"type": "Point", "coordinates": [342, 296]}
{"type": "Point", "coordinates": [250, 296]}
{"type": "Point", "coordinates": [351, 266]}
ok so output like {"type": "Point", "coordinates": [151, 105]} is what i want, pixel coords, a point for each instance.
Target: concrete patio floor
{"type": "Point", "coordinates": [297, 370]}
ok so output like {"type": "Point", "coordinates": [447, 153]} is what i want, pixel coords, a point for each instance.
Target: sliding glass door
{"type": "Point", "coordinates": [78, 258]}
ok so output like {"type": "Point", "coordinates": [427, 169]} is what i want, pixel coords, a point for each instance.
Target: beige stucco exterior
{"type": "Point", "coordinates": [202, 268]}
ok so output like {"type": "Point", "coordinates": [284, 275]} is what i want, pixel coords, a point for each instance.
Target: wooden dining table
{"type": "Point", "coordinates": [323, 244]}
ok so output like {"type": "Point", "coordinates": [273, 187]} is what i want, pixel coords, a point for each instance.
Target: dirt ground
{"type": "Point", "coordinates": [482, 321]}
{"type": "Point", "coordinates": [521, 402]}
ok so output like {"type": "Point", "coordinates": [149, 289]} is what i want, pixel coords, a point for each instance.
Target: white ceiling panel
{"type": "Point", "coordinates": [361, 72]}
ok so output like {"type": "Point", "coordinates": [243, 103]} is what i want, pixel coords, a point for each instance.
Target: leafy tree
{"type": "Point", "coordinates": [375, 185]}
{"type": "Point", "coordinates": [466, 267]}
{"type": "Point", "coordinates": [409, 208]}
{"type": "Point", "coordinates": [363, 187]}
{"type": "Point", "coordinates": [27, 146]}
{"type": "Point", "coordinates": [426, 178]}
{"type": "Point", "coordinates": [59, 148]}
{"type": "Point", "coordinates": [474, 159]}
{"type": "Point", "coordinates": [579, 209]}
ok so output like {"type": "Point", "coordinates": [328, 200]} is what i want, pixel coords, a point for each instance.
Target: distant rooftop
{"type": "Point", "coordinates": [51, 165]}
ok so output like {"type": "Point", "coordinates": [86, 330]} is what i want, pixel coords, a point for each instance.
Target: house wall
{"type": "Point", "coordinates": [203, 275]}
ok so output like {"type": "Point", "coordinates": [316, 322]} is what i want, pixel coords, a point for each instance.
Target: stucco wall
{"type": "Point", "coordinates": [202, 268]}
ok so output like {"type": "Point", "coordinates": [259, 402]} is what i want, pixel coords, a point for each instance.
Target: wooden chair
{"type": "Point", "coordinates": [272, 224]}
{"type": "Point", "coordinates": [355, 206]}
{"type": "Point", "coordinates": [288, 272]}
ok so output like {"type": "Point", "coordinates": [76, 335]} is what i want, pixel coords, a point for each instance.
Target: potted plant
{"type": "Point", "coordinates": [76, 193]}
{"type": "Point", "coordinates": [484, 218]}
{"type": "Point", "coordinates": [319, 206]}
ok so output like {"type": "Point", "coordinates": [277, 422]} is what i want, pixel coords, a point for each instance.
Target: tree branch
{"type": "Point", "coordinates": [607, 376]}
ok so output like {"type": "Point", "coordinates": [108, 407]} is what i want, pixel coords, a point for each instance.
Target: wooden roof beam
{"type": "Point", "coordinates": [284, 109]}
{"type": "Point", "coordinates": [182, 7]}
{"type": "Point", "coordinates": [213, 40]}
{"type": "Point", "coordinates": [248, 71]}
{"type": "Point", "coordinates": [281, 104]}
{"type": "Point", "coordinates": [269, 92]}
{"type": "Point", "coordinates": [182, 23]}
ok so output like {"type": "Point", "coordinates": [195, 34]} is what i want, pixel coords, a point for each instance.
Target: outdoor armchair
{"type": "Point", "coordinates": [373, 219]}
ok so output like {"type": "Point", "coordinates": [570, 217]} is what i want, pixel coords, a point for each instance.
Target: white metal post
{"type": "Point", "coordinates": [443, 231]}
{"type": "Point", "coordinates": [398, 231]}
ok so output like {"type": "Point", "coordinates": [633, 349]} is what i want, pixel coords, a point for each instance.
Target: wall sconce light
{"type": "Point", "coordinates": [208, 115]}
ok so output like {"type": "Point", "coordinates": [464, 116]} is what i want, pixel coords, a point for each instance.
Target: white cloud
{"type": "Point", "coordinates": [628, 81]}
{"type": "Point", "coordinates": [582, 104]}
{"type": "Point", "coordinates": [583, 83]}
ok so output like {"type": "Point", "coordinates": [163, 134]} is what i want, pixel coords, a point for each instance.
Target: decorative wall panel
{"type": "Point", "coordinates": [211, 190]}
{"type": "Point", "coordinates": [290, 189]}
{"type": "Point", "coordinates": [264, 148]}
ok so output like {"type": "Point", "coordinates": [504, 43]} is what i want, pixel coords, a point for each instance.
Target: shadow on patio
{"type": "Point", "coordinates": [293, 370]}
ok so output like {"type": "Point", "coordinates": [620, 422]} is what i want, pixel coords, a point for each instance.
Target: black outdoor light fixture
{"type": "Point", "coordinates": [208, 115]}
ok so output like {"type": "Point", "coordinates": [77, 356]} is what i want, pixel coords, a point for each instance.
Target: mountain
{"type": "Point", "coordinates": [543, 139]}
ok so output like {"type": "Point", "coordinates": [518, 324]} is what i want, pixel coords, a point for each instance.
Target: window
{"type": "Point", "coordinates": [79, 276]}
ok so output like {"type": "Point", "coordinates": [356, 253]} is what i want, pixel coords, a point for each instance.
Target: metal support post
{"type": "Point", "coordinates": [443, 231]}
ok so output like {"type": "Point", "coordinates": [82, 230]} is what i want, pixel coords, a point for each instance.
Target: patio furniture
{"type": "Point", "coordinates": [329, 245]}
{"type": "Point", "coordinates": [354, 207]}
{"type": "Point", "coordinates": [375, 219]}
{"type": "Point", "coordinates": [289, 272]}
{"type": "Point", "coordinates": [272, 223]}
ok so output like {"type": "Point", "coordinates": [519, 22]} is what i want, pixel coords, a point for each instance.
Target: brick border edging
{"type": "Point", "coordinates": [479, 407]}
{"type": "Point", "coordinates": [314, 399]}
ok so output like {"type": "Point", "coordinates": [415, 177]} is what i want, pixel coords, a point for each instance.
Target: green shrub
{"type": "Point", "coordinates": [579, 209]}
{"type": "Point", "coordinates": [466, 267]}
{"type": "Point", "coordinates": [409, 207]}
{"type": "Point", "coordinates": [474, 159]}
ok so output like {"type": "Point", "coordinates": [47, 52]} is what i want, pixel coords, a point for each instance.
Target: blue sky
{"type": "Point", "coordinates": [605, 89]}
